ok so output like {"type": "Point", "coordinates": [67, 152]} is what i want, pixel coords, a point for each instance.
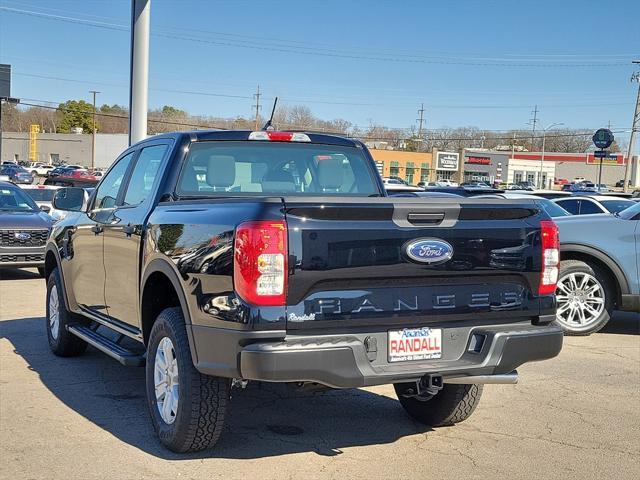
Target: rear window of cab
{"type": "Point", "coordinates": [215, 168]}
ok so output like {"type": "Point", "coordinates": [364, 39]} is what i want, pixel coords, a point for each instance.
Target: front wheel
{"type": "Point", "coordinates": [187, 408]}
{"type": "Point", "coordinates": [453, 404]}
{"type": "Point", "coordinates": [584, 296]}
{"type": "Point", "coordinates": [62, 342]}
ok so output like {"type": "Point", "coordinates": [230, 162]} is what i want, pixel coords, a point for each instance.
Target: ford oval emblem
{"type": "Point", "coordinates": [22, 236]}
{"type": "Point", "coordinates": [429, 250]}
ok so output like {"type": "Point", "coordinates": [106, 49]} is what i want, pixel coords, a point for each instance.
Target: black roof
{"type": "Point", "coordinates": [240, 135]}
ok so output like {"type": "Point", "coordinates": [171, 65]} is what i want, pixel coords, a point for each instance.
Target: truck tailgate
{"type": "Point", "coordinates": [350, 261]}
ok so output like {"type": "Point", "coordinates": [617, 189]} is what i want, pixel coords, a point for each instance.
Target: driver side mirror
{"type": "Point", "coordinates": [71, 199]}
{"type": "Point", "coordinates": [45, 208]}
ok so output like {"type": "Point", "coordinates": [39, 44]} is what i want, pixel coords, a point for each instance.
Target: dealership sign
{"type": "Point", "coordinates": [447, 161]}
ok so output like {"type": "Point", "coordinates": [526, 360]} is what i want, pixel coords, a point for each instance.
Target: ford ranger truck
{"type": "Point", "coordinates": [214, 258]}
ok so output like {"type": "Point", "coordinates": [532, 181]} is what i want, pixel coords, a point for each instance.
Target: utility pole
{"type": "Point", "coordinates": [635, 126]}
{"type": "Point", "coordinates": [93, 143]}
{"type": "Point", "coordinates": [420, 120]}
{"type": "Point", "coordinates": [542, 184]}
{"type": "Point", "coordinates": [534, 121]}
{"type": "Point", "coordinates": [257, 107]}
{"type": "Point", "coordinates": [420, 143]}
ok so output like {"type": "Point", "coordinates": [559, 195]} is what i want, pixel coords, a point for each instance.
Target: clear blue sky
{"type": "Point", "coordinates": [482, 63]}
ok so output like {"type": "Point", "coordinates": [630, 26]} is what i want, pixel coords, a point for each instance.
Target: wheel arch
{"type": "Point", "coordinates": [51, 262]}
{"type": "Point", "coordinates": [161, 288]}
{"type": "Point", "coordinates": [603, 261]}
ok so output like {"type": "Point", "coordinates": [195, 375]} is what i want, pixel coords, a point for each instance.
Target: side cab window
{"type": "Point", "coordinates": [107, 193]}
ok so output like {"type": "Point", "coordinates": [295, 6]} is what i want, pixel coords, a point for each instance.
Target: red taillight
{"type": "Point", "coordinates": [550, 258]}
{"type": "Point", "coordinates": [260, 262]}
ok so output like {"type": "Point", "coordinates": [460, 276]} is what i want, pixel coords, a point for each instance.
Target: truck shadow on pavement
{"type": "Point", "coordinates": [264, 420]}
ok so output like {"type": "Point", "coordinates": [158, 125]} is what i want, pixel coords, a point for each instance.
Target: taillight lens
{"type": "Point", "coordinates": [260, 262]}
{"type": "Point", "coordinates": [274, 136]}
{"type": "Point", "coordinates": [550, 258]}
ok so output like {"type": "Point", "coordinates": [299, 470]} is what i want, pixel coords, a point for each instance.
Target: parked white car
{"type": "Point", "coordinates": [592, 204]}
{"type": "Point", "coordinates": [40, 170]}
{"type": "Point", "coordinates": [43, 195]}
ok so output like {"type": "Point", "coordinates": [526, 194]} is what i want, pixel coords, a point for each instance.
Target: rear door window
{"type": "Point", "coordinates": [279, 168]}
{"type": "Point", "coordinates": [570, 206]}
{"type": "Point", "coordinates": [587, 207]}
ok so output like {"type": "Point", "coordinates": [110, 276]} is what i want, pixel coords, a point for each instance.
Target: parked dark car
{"type": "Point", "coordinates": [72, 177]}
{"type": "Point", "coordinates": [236, 256]}
{"type": "Point", "coordinates": [17, 174]}
{"type": "Point", "coordinates": [61, 169]}
{"type": "Point", "coordinates": [24, 229]}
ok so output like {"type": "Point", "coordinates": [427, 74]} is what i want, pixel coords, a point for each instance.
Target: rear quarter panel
{"type": "Point", "coordinates": [195, 238]}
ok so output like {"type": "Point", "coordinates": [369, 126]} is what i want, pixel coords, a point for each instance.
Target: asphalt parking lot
{"type": "Point", "coordinates": [576, 416]}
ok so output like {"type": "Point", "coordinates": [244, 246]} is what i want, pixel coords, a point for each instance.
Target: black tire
{"type": "Point", "coordinates": [577, 266]}
{"type": "Point", "coordinates": [202, 399]}
{"type": "Point", "coordinates": [453, 404]}
{"type": "Point", "coordinates": [41, 272]}
{"type": "Point", "coordinates": [62, 342]}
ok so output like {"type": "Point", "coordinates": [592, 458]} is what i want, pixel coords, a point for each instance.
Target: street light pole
{"type": "Point", "coordinates": [544, 139]}
{"type": "Point", "coordinates": [139, 72]}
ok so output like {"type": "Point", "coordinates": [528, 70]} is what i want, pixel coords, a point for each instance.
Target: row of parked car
{"type": "Point", "coordinates": [65, 175]}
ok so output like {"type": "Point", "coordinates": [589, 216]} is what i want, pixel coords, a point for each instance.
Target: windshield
{"type": "Point", "coordinates": [631, 213]}
{"type": "Point", "coordinates": [14, 199]}
{"type": "Point", "coordinates": [41, 194]}
{"type": "Point", "coordinates": [246, 168]}
{"type": "Point", "coordinates": [553, 209]}
{"type": "Point", "coordinates": [615, 206]}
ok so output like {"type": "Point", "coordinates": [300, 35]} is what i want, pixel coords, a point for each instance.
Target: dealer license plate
{"type": "Point", "coordinates": [415, 344]}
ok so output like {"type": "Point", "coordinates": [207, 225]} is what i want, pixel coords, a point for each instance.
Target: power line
{"type": "Point", "coordinates": [261, 45]}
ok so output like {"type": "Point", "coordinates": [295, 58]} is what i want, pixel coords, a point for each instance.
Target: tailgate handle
{"type": "Point", "coordinates": [425, 218]}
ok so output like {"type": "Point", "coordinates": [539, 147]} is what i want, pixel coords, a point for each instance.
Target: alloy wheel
{"type": "Point", "coordinates": [581, 300]}
{"type": "Point", "coordinates": [166, 380]}
{"type": "Point", "coordinates": [54, 313]}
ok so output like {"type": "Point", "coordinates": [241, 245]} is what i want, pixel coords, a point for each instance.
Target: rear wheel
{"type": "Point", "coordinates": [453, 404]}
{"type": "Point", "coordinates": [62, 342]}
{"type": "Point", "coordinates": [187, 408]}
{"type": "Point", "coordinates": [584, 296]}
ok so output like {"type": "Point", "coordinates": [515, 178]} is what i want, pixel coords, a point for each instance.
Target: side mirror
{"type": "Point", "coordinates": [45, 208]}
{"type": "Point", "coordinates": [70, 199]}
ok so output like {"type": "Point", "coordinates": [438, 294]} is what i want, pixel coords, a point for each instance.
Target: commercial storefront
{"type": "Point", "coordinates": [485, 166]}
{"type": "Point", "coordinates": [541, 175]}
{"type": "Point", "coordinates": [498, 168]}
{"type": "Point", "coordinates": [447, 165]}
{"type": "Point", "coordinates": [413, 167]}
{"type": "Point", "coordinates": [571, 165]}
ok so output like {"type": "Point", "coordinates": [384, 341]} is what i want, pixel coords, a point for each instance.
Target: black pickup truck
{"type": "Point", "coordinates": [216, 258]}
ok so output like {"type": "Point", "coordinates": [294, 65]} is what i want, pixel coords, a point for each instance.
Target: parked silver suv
{"type": "Point", "coordinates": [599, 269]}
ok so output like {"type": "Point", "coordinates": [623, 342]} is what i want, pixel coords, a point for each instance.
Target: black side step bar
{"type": "Point", "coordinates": [108, 346]}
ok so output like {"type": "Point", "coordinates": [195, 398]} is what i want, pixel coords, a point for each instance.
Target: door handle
{"type": "Point", "coordinates": [129, 230]}
{"type": "Point", "coordinates": [97, 229]}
